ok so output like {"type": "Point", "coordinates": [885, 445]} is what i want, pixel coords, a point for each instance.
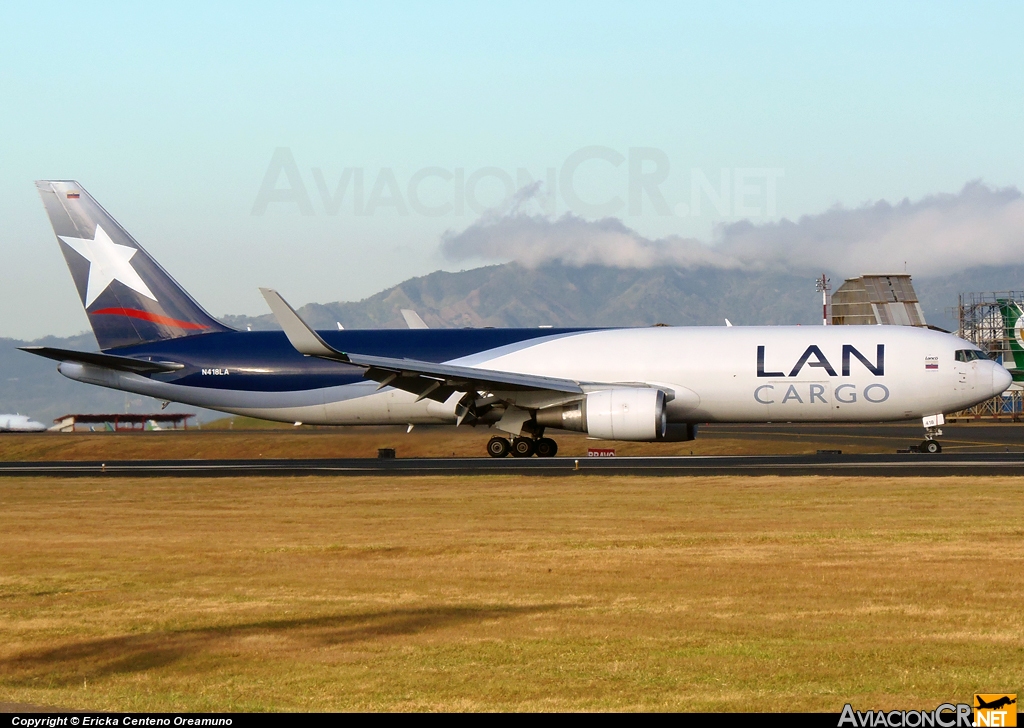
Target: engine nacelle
{"type": "Point", "coordinates": [612, 414]}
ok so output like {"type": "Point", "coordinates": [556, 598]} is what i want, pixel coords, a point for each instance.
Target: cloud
{"type": "Point", "coordinates": [935, 235]}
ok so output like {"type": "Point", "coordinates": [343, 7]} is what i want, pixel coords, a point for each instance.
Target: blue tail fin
{"type": "Point", "coordinates": [128, 297]}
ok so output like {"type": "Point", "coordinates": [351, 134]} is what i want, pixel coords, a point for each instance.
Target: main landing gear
{"type": "Point", "coordinates": [522, 447]}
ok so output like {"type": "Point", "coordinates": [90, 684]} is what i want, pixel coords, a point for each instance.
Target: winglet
{"type": "Point", "coordinates": [304, 339]}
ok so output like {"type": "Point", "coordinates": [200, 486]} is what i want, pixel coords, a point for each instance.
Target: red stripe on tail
{"type": "Point", "coordinates": [147, 316]}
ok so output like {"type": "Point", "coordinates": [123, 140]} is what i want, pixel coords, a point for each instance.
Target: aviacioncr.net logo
{"type": "Point", "coordinates": [946, 715]}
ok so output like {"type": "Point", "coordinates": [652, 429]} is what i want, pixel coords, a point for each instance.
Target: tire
{"type": "Point", "coordinates": [546, 447]}
{"type": "Point", "coordinates": [523, 447]}
{"type": "Point", "coordinates": [931, 447]}
{"type": "Point", "coordinates": [497, 447]}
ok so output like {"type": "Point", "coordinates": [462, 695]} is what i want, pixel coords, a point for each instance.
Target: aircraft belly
{"type": "Point", "coordinates": [297, 406]}
{"type": "Point", "coordinates": [386, 407]}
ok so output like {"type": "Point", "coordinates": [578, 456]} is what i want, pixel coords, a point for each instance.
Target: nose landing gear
{"type": "Point", "coordinates": [522, 447]}
{"type": "Point", "coordinates": [932, 429]}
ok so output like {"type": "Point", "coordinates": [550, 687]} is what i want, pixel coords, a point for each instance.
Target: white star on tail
{"type": "Point", "coordinates": [108, 262]}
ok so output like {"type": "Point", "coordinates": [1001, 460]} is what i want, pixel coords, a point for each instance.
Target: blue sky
{"type": "Point", "coordinates": [170, 114]}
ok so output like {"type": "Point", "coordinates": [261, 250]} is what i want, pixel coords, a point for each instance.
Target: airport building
{"type": "Point", "coordinates": [122, 422]}
{"type": "Point", "coordinates": [870, 300]}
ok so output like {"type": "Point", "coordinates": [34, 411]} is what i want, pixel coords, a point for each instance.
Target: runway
{"type": "Point", "coordinates": [825, 464]}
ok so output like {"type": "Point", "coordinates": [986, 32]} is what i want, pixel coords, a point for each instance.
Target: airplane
{"type": "Point", "coordinates": [653, 384]}
{"type": "Point", "coordinates": [1013, 323]}
{"type": "Point", "coordinates": [20, 423]}
{"type": "Point", "coordinates": [995, 704]}
{"type": "Point", "coordinates": [413, 320]}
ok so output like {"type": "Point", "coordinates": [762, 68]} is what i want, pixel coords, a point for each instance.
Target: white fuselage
{"type": "Point", "coordinates": [727, 374]}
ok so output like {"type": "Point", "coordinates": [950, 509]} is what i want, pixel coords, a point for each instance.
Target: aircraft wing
{"type": "Point", "coordinates": [425, 379]}
{"type": "Point", "coordinates": [110, 361]}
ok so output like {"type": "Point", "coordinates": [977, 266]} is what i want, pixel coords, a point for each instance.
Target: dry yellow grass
{"type": "Point", "coordinates": [509, 593]}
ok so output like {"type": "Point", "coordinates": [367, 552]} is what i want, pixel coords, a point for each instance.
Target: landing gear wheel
{"type": "Point", "coordinates": [497, 447]}
{"type": "Point", "coordinates": [546, 447]}
{"type": "Point", "coordinates": [931, 447]}
{"type": "Point", "coordinates": [523, 447]}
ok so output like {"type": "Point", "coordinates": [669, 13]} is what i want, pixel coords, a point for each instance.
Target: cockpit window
{"type": "Point", "coordinates": [970, 355]}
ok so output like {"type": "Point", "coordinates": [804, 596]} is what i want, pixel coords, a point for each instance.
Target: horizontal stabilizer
{"type": "Point", "coordinates": [109, 361]}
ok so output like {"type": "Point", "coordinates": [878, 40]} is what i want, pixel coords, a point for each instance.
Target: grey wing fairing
{"type": "Point", "coordinates": [424, 379]}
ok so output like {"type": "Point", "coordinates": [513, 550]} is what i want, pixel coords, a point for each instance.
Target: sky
{"type": "Point", "coordinates": [332, 150]}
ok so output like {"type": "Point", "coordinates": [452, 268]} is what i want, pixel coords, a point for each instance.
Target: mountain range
{"type": "Point", "coordinates": [562, 295]}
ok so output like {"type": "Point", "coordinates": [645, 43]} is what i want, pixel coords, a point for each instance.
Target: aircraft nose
{"type": "Point", "coordinates": [1001, 379]}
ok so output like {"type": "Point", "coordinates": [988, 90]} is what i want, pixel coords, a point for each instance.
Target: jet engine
{"type": "Point", "coordinates": [612, 414]}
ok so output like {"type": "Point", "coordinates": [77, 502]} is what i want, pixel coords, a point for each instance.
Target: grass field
{"type": "Point", "coordinates": [510, 593]}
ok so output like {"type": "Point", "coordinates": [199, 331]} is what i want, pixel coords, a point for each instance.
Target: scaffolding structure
{"type": "Point", "coordinates": [981, 319]}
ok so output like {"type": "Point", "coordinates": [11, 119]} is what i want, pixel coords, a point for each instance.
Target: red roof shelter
{"type": "Point", "coordinates": [122, 422]}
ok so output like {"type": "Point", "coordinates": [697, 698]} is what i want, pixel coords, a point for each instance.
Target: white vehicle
{"type": "Point", "coordinates": [641, 384]}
